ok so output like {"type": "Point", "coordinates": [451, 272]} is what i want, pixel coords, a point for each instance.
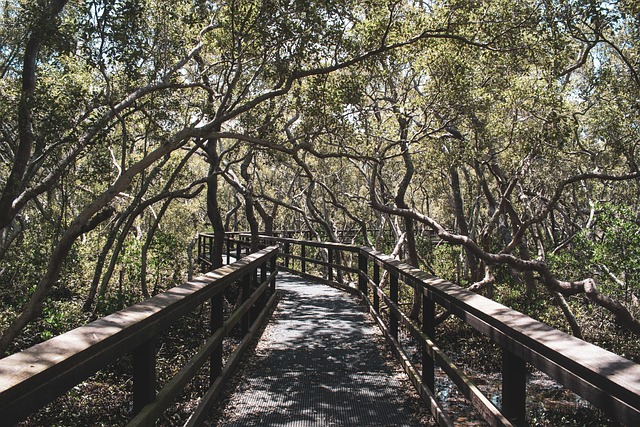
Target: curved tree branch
{"type": "Point", "coordinates": [587, 286]}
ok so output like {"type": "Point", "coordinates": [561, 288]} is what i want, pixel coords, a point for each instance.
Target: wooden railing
{"type": "Point", "coordinates": [606, 380]}
{"type": "Point", "coordinates": [34, 377]}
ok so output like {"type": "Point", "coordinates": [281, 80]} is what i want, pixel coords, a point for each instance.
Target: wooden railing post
{"type": "Point", "coordinates": [428, 327]}
{"type": "Point", "coordinates": [303, 255]}
{"type": "Point", "coordinates": [217, 320]}
{"type": "Point", "coordinates": [200, 249]}
{"type": "Point", "coordinates": [263, 271]}
{"type": "Point", "coordinates": [210, 256]}
{"type": "Point", "coordinates": [376, 280]}
{"type": "Point", "coordinates": [246, 289]}
{"type": "Point", "coordinates": [263, 278]}
{"type": "Point", "coordinates": [238, 249]}
{"type": "Point", "coordinates": [144, 374]}
{"type": "Point", "coordinates": [364, 274]}
{"type": "Point", "coordinates": [255, 308]}
{"type": "Point", "coordinates": [228, 250]}
{"type": "Point", "coordinates": [393, 295]}
{"type": "Point", "coordinates": [287, 248]}
{"type": "Point", "coordinates": [330, 264]}
{"type": "Point", "coordinates": [514, 382]}
{"type": "Point", "coordinates": [272, 268]}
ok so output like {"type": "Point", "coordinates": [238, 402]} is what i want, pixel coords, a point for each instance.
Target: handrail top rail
{"type": "Point", "coordinates": [534, 341]}
{"type": "Point", "coordinates": [314, 243]}
{"type": "Point", "coordinates": [543, 346]}
{"type": "Point", "coordinates": [90, 347]}
{"type": "Point", "coordinates": [350, 230]}
{"type": "Point", "coordinates": [591, 371]}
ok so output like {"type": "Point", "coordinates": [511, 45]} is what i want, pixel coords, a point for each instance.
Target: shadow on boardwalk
{"type": "Point", "coordinates": [319, 363]}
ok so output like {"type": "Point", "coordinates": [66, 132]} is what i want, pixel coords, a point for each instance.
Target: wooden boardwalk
{"type": "Point", "coordinates": [322, 362]}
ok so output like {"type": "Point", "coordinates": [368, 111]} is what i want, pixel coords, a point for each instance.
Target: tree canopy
{"type": "Point", "coordinates": [509, 129]}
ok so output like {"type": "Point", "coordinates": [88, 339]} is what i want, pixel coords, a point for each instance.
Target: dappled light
{"type": "Point", "coordinates": [320, 362]}
{"type": "Point", "coordinates": [441, 160]}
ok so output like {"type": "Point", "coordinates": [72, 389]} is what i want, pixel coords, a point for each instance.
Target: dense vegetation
{"type": "Point", "coordinates": [509, 129]}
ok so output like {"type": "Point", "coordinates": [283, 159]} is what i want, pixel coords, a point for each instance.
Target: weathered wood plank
{"type": "Point", "coordinates": [607, 380]}
{"type": "Point", "coordinates": [172, 389]}
{"type": "Point", "coordinates": [440, 416]}
{"type": "Point", "coordinates": [479, 401]}
{"type": "Point", "coordinates": [35, 376]}
{"type": "Point", "coordinates": [214, 391]}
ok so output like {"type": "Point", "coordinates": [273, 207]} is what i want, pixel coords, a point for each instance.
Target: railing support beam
{"type": "Point", "coordinates": [514, 382]}
{"type": "Point", "coordinates": [144, 374]}
{"type": "Point", "coordinates": [393, 294]}
{"type": "Point", "coordinates": [362, 277]}
{"type": "Point", "coordinates": [428, 327]}
{"type": "Point", "coordinates": [376, 280]}
{"type": "Point", "coordinates": [217, 320]}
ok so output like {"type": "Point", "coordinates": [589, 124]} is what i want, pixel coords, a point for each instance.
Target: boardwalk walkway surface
{"type": "Point", "coordinates": [321, 362]}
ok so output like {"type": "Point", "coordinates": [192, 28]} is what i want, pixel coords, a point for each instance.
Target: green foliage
{"type": "Point", "coordinates": [610, 250]}
{"type": "Point", "coordinates": [617, 241]}
{"type": "Point", "coordinates": [167, 262]}
{"type": "Point", "coordinates": [445, 261]}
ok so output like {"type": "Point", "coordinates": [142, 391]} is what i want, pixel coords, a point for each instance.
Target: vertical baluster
{"type": "Point", "coordinates": [263, 278]}
{"type": "Point", "coordinates": [376, 280]}
{"type": "Point", "coordinates": [144, 374]}
{"type": "Point", "coordinates": [253, 284]}
{"type": "Point", "coordinates": [287, 247]}
{"type": "Point", "coordinates": [428, 327]}
{"type": "Point", "coordinates": [514, 382]}
{"type": "Point", "coordinates": [364, 274]}
{"type": "Point", "coordinates": [272, 268]}
{"type": "Point", "coordinates": [200, 249]}
{"type": "Point", "coordinates": [303, 254]}
{"type": "Point", "coordinates": [330, 266]}
{"type": "Point", "coordinates": [217, 320]}
{"type": "Point", "coordinates": [393, 295]}
{"type": "Point", "coordinates": [246, 286]}
{"type": "Point", "coordinates": [210, 257]}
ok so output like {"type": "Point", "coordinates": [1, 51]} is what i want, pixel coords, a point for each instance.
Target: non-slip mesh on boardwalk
{"type": "Point", "coordinates": [319, 364]}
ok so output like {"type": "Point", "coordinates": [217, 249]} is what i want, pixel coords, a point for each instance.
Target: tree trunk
{"type": "Point", "coordinates": [458, 204]}
{"type": "Point", "coordinates": [568, 313]}
{"type": "Point", "coordinates": [97, 274]}
{"type": "Point", "coordinates": [267, 217]}
{"type": "Point", "coordinates": [145, 248]}
{"type": "Point", "coordinates": [254, 227]}
{"type": "Point", "coordinates": [213, 209]}
{"type": "Point", "coordinates": [412, 252]}
{"type": "Point", "coordinates": [54, 266]}
{"type": "Point", "coordinates": [40, 30]}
